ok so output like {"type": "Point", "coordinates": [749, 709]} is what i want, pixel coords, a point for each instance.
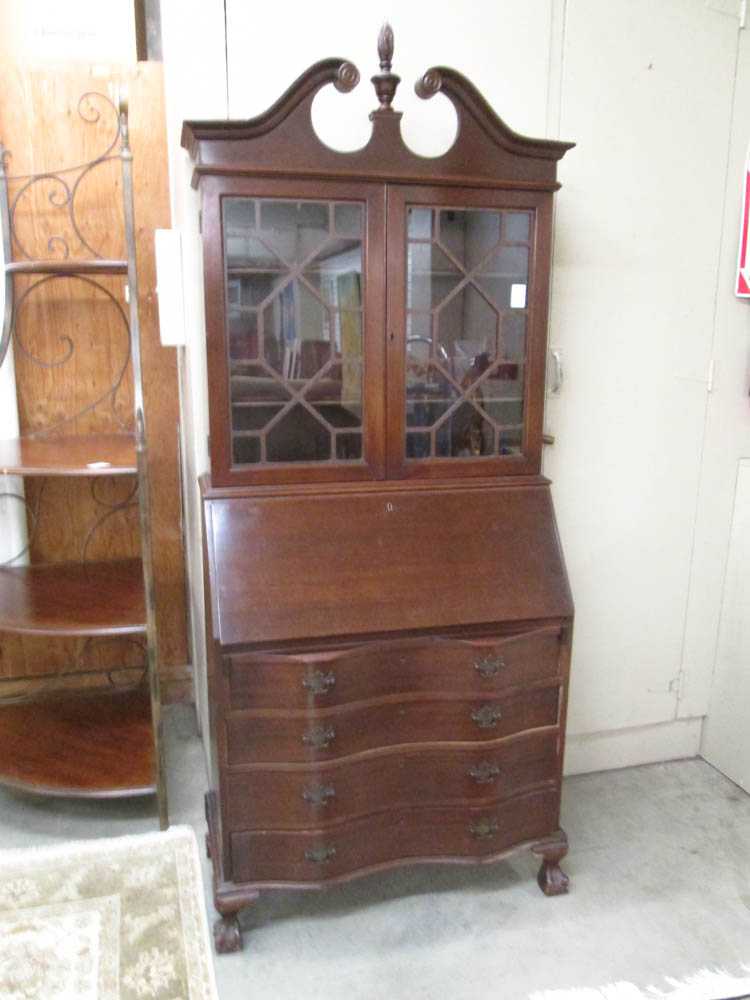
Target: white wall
{"type": "Point", "coordinates": [646, 91]}
{"type": "Point", "coordinates": [195, 87]}
{"type": "Point", "coordinates": [719, 614]}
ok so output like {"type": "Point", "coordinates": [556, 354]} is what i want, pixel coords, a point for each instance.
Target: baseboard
{"type": "Point", "coordinates": [604, 751]}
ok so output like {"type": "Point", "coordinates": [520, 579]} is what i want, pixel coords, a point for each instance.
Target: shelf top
{"type": "Point", "coordinates": [71, 455]}
{"type": "Point", "coordinates": [73, 599]}
{"type": "Point", "coordinates": [96, 744]}
{"type": "Point", "coordinates": [67, 267]}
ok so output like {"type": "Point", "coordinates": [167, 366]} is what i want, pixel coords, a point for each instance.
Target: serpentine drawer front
{"type": "Point", "coordinates": [372, 670]}
{"type": "Point", "coordinates": [269, 735]}
{"type": "Point", "coordinates": [390, 837]}
{"type": "Point", "coordinates": [294, 798]}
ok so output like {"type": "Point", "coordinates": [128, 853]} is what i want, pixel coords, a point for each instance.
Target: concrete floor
{"type": "Point", "coordinates": [660, 886]}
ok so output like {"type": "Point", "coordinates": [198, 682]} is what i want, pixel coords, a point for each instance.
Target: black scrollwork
{"type": "Point", "coordinates": [65, 186]}
{"type": "Point", "coordinates": [68, 349]}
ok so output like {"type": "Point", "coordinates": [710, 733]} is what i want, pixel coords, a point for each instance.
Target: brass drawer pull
{"type": "Point", "coordinates": [319, 795]}
{"type": "Point", "coordinates": [317, 682]}
{"type": "Point", "coordinates": [484, 773]}
{"type": "Point", "coordinates": [489, 666]}
{"type": "Point", "coordinates": [483, 829]}
{"type": "Point", "coordinates": [320, 737]}
{"type": "Point", "coordinates": [320, 855]}
{"type": "Point", "coordinates": [487, 717]}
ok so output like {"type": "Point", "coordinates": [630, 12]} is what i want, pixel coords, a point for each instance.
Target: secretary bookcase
{"type": "Point", "coordinates": [389, 615]}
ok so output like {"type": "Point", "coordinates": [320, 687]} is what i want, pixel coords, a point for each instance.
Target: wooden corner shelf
{"type": "Point", "coordinates": [71, 455]}
{"type": "Point", "coordinates": [73, 599]}
{"type": "Point", "coordinates": [95, 744]}
{"type": "Point", "coordinates": [73, 739]}
{"type": "Point", "coordinates": [67, 267]}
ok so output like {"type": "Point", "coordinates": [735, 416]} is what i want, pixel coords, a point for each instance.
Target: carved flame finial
{"type": "Point", "coordinates": [385, 82]}
{"type": "Point", "coordinates": [385, 47]}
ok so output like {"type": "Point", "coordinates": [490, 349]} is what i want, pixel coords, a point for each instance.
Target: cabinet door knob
{"type": "Point", "coordinates": [489, 666]}
{"type": "Point", "coordinates": [484, 773]}
{"type": "Point", "coordinates": [317, 682]}
{"type": "Point", "coordinates": [487, 717]}
{"type": "Point", "coordinates": [484, 828]}
{"type": "Point", "coordinates": [318, 795]}
{"type": "Point", "coordinates": [320, 855]}
{"type": "Point", "coordinates": [320, 737]}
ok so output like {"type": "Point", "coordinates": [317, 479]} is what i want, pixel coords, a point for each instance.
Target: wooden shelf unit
{"type": "Point", "coordinates": [73, 599]}
{"type": "Point", "coordinates": [84, 741]}
{"type": "Point", "coordinates": [84, 745]}
{"type": "Point", "coordinates": [72, 455]}
{"type": "Point", "coordinates": [67, 267]}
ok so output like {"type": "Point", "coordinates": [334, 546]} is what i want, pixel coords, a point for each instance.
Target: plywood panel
{"type": "Point", "coordinates": [40, 124]}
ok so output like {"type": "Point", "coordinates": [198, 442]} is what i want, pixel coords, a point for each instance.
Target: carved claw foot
{"type": "Point", "coordinates": [551, 879]}
{"type": "Point", "coordinates": [227, 934]}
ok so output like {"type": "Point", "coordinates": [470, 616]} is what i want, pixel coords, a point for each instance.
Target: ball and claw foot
{"type": "Point", "coordinates": [551, 879]}
{"type": "Point", "coordinates": [227, 934]}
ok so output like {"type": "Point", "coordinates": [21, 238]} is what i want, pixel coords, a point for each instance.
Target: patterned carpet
{"type": "Point", "coordinates": [113, 919]}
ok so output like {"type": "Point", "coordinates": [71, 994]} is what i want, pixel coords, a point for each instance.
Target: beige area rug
{"type": "Point", "coordinates": [115, 919]}
{"type": "Point", "coordinates": [707, 984]}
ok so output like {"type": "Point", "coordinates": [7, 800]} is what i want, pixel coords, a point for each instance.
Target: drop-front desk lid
{"type": "Point", "coordinates": [300, 567]}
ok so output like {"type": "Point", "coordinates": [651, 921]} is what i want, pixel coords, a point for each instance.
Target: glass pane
{"type": "Point", "coordinates": [517, 225]}
{"type": "Point", "coordinates": [245, 450]}
{"type": "Point", "coordinates": [243, 333]}
{"type": "Point", "coordinates": [348, 219]}
{"type": "Point", "coordinates": [349, 447]}
{"type": "Point", "coordinates": [251, 416]}
{"type": "Point", "coordinates": [339, 259]}
{"type": "Point", "coordinates": [432, 276]}
{"type": "Point", "coordinates": [420, 223]}
{"type": "Point", "coordinates": [506, 267]}
{"type": "Point", "coordinates": [298, 437]}
{"type": "Point", "coordinates": [429, 394]}
{"type": "Point", "coordinates": [467, 282]}
{"type": "Point", "coordinates": [417, 445]}
{"type": "Point", "coordinates": [469, 235]}
{"type": "Point", "coordinates": [294, 229]}
{"type": "Point", "coordinates": [295, 293]}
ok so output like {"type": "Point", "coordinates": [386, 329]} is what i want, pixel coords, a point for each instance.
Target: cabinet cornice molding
{"type": "Point", "coordinates": [282, 141]}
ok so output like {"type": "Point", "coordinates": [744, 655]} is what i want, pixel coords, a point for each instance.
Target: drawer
{"type": "Point", "coordinates": [373, 670]}
{"type": "Point", "coordinates": [256, 737]}
{"type": "Point", "coordinates": [311, 796]}
{"type": "Point", "coordinates": [392, 837]}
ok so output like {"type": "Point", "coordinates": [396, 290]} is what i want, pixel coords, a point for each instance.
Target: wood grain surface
{"type": "Point", "coordinates": [41, 127]}
{"type": "Point", "coordinates": [97, 745]}
{"type": "Point", "coordinates": [288, 797]}
{"type": "Point", "coordinates": [435, 833]}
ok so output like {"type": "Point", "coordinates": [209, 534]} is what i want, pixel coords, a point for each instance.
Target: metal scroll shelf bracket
{"type": "Point", "coordinates": [62, 188]}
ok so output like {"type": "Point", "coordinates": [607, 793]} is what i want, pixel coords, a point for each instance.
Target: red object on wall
{"type": "Point", "coordinates": [742, 287]}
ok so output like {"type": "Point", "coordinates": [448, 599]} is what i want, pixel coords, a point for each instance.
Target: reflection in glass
{"type": "Point", "coordinates": [294, 306]}
{"type": "Point", "coordinates": [466, 292]}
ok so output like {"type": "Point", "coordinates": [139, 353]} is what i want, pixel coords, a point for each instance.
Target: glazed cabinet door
{"type": "Point", "coordinates": [468, 278]}
{"type": "Point", "coordinates": [295, 306]}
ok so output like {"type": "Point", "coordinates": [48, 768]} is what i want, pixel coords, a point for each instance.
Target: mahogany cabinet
{"type": "Point", "coordinates": [389, 618]}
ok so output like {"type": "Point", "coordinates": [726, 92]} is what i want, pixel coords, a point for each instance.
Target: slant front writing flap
{"type": "Point", "coordinates": [286, 568]}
